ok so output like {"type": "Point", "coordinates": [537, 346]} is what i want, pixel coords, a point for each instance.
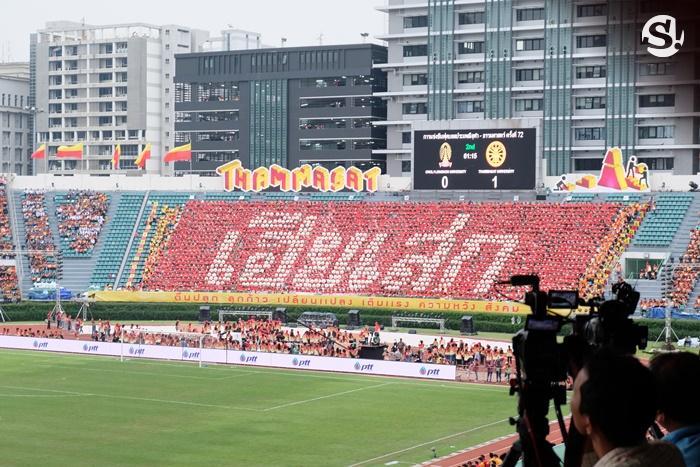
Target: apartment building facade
{"type": "Point", "coordinates": [285, 106]}
{"type": "Point", "coordinates": [578, 65]}
{"type": "Point", "coordinates": [106, 86]}
{"type": "Point", "coordinates": [15, 120]}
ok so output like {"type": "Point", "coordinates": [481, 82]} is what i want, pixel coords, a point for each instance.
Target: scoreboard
{"type": "Point", "coordinates": [483, 159]}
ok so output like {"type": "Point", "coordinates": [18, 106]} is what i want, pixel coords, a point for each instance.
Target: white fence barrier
{"type": "Point", "coordinates": [233, 357]}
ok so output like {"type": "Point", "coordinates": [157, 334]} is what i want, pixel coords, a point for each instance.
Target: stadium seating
{"type": "Point", "coordinates": [44, 257]}
{"type": "Point", "coordinates": [158, 205]}
{"type": "Point", "coordinates": [80, 215]}
{"type": "Point", "coordinates": [114, 249]}
{"type": "Point", "coordinates": [686, 273]}
{"type": "Point", "coordinates": [385, 248]}
{"type": "Point", "coordinates": [663, 221]}
{"type": "Point", "coordinates": [9, 289]}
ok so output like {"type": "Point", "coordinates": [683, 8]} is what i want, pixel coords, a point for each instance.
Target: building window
{"type": "Point", "coordinates": [584, 11]}
{"type": "Point", "coordinates": [528, 105]}
{"type": "Point", "coordinates": [415, 108]}
{"type": "Point", "coordinates": [183, 92]}
{"type": "Point", "coordinates": [416, 79]}
{"type": "Point", "coordinates": [529, 14]}
{"type": "Point", "coordinates": [329, 102]}
{"type": "Point", "coordinates": [322, 145]}
{"type": "Point", "coordinates": [415, 50]}
{"type": "Point", "coordinates": [657, 100]}
{"type": "Point", "coordinates": [473, 17]}
{"type": "Point", "coordinates": [218, 92]}
{"type": "Point", "coordinates": [405, 166]}
{"type": "Point", "coordinates": [655, 69]}
{"type": "Point", "coordinates": [657, 163]}
{"type": "Point", "coordinates": [471, 47]}
{"type": "Point", "coordinates": [322, 123]}
{"type": "Point", "coordinates": [529, 74]}
{"type": "Point", "coordinates": [594, 71]}
{"type": "Point", "coordinates": [465, 107]}
{"type": "Point", "coordinates": [331, 82]}
{"type": "Point", "coordinates": [406, 137]}
{"type": "Point", "coordinates": [470, 77]}
{"type": "Point", "coordinates": [415, 22]}
{"type": "Point", "coordinates": [597, 102]}
{"type": "Point", "coordinates": [656, 132]}
{"type": "Point", "coordinates": [586, 164]}
{"type": "Point", "coordinates": [529, 44]}
{"type": "Point", "coordinates": [589, 134]}
{"type": "Point", "coordinates": [595, 40]}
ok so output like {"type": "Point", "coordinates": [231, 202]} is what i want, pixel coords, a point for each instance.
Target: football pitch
{"type": "Point", "coordinates": [60, 409]}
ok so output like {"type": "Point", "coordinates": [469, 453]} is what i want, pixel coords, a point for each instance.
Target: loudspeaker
{"type": "Point", "coordinates": [372, 352]}
{"type": "Point", "coordinates": [467, 325]}
{"type": "Point", "coordinates": [280, 314]}
{"type": "Point", "coordinates": [354, 318]}
{"type": "Point", "coordinates": [204, 313]}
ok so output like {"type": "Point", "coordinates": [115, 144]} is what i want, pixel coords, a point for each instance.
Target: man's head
{"type": "Point", "coordinates": [614, 400]}
{"type": "Point", "coordinates": [677, 378]}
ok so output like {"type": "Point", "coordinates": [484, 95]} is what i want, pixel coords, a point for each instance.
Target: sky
{"type": "Point", "coordinates": [300, 21]}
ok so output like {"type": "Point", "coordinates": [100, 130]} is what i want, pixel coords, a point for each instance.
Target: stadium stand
{"type": "Point", "coordinates": [664, 219]}
{"type": "Point", "coordinates": [119, 234]}
{"type": "Point", "coordinates": [80, 215]}
{"type": "Point", "coordinates": [685, 275]}
{"type": "Point", "coordinates": [9, 287]}
{"type": "Point", "coordinates": [44, 257]}
{"type": "Point", "coordinates": [157, 206]}
{"type": "Point", "coordinates": [386, 248]}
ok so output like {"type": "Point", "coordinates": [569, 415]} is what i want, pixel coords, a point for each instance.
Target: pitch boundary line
{"type": "Point", "coordinates": [401, 451]}
{"type": "Point", "coordinates": [289, 404]}
{"type": "Point", "coordinates": [145, 399]}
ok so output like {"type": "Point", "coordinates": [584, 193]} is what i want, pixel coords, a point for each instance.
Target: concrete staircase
{"type": "Point", "coordinates": [77, 271]}
{"type": "Point", "coordinates": [20, 232]}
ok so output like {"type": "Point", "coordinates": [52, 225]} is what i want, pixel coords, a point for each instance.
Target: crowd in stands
{"type": "Point", "coordinates": [649, 272]}
{"type": "Point", "coordinates": [447, 249]}
{"type": "Point", "coordinates": [9, 289]}
{"type": "Point", "coordinates": [613, 244]}
{"type": "Point", "coordinates": [81, 218]}
{"type": "Point", "coordinates": [44, 262]}
{"type": "Point", "coordinates": [31, 332]}
{"type": "Point", "coordinates": [648, 303]}
{"type": "Point", "coordinates": [686, 273]}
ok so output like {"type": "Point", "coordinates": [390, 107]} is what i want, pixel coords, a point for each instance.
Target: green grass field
{"type": "Point", "coordinates": [58, 410]}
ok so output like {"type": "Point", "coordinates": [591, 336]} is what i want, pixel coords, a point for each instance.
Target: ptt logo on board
{"type": "Point", "coordinates": [136, 351]}
{"type": "Point", "coordinates": [363, 366]}
{"type": "Point", "coordinates": [300, 363]}
{"type": "Point", "coordinates": [429, 372]}
{"type": "Point", "coordinates": [40, 345]}
{"type": "Point", "coordinates": [190, 355]}
{"type": "Point", "coordinates": [90, 348]}
{"type": "Point", "coordinates": [248, 358]}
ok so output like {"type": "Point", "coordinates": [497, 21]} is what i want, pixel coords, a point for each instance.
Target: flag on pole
{"type": "Point", "coordinates": [180, 153]}
{"type": "Point", "coordinates": [115, 156]}
{"type": "Point", "coordinates": [143, 157]}
{"type": "Point", "coordinates": [40, 153]}
{"type": "Point", "coordinates": [70, 152]}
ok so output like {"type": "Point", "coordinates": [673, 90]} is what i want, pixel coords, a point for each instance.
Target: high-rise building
{"type": "Point", "coordinates": [285, 106]}
{"type": "Point", "coordinates": [103, 86]}
{"type": "Point", "coordinates": [15, 118]}
{"type": "Point", "coordinates": [578, 65]}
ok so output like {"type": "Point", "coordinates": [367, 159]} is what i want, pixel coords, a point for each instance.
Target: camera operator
{"type": "Point", "coordinates": [677, 378]}
{"type": "Point", "coordinates": [614, 404]}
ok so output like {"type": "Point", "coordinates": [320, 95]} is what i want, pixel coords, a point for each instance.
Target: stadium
{"type": "Point", "coordinates": [421, 289]}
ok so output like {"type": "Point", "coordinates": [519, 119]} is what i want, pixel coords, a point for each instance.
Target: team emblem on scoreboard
{"type": "Point", "coordinates": [496, 154]}
{"type": "Point", "coordinates": [445, 155]}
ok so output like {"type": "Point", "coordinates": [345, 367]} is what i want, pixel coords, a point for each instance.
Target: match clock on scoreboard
{"type": "Point", "coordinates": [474, 159]}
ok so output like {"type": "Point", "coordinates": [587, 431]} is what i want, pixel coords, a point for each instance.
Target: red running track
{"type": "Point", "coordinates": [498, 446]}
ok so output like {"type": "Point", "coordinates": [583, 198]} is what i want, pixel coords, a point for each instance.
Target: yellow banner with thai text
{"type": "Point", "coordinates": [307, 300]}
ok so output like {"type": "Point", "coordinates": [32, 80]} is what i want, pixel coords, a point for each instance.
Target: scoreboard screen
{"type": "Point", "coordinates": [484, 159]}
